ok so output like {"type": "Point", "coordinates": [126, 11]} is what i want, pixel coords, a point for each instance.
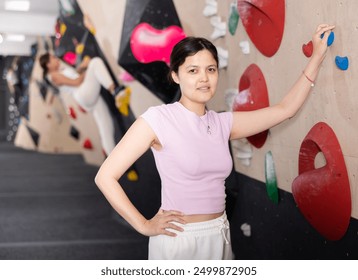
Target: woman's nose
{"type": "Point", "coordinates": [203, 77]}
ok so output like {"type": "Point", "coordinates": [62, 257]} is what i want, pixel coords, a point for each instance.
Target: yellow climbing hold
{"type": "Point", "coordinates": [92, 30]}
{"type": "Point", "coordinates": [122, 101]}
{"type": "Point", "coordinates": [63, 28]}
{"type": "Point", "coordinates": [132, 175]}
{"type": "Point", "coordinates": [80, 48]}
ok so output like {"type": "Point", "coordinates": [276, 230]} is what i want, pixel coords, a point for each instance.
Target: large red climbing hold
{"type": "Point", "coordinates": [323, 194]}
{"type": "Point", "coordinates": [252, 95]}
{"type": "Point", "coordinates": [264, 22]}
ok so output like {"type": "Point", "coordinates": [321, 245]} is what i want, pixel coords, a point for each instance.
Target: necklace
{"type": "Point", "coordinates": [207, 124]}
{"type": "Point", "coordinates": [208, 131]}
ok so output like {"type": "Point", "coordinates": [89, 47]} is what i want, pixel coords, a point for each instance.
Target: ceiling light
{"type": "Point", "coordinates": [21, 6]}
{"type": "Point", "coordinates": [15, 37]}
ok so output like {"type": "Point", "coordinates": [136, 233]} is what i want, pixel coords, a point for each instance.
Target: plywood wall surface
{"type": "Point", "coordinates": [334, 99]}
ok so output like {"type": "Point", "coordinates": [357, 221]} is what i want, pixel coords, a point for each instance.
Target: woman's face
{"type": "Point", "coordinates": [197, 77]}
{"type": "Point", "coordinates": [53, 63]}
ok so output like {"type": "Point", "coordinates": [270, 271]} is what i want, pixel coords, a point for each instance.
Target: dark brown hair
{"type": "Point", "coordinates": [44, 59]}
{"type": "Point", "coordinates": [187, 47]}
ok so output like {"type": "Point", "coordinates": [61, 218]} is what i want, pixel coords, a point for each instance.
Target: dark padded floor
{"type": "Point", "coordinates": [50, 208]}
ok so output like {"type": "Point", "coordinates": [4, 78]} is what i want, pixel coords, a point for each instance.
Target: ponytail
{"type": "Point", "coordinates": [44, 59]}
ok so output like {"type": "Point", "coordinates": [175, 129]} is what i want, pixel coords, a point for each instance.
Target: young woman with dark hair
{"type": "Point", "coordinates": [191, 149]}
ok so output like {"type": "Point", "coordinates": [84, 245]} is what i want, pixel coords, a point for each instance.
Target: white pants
{"type": "Point", "coordinates": [88, 96]}
{"type": "Point", "coordinates": [209, 240]}
{"type": "Point", "coordinates": [97, 75]}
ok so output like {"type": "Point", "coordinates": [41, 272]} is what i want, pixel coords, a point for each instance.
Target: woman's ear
{"type": "Point", "coordinates": [175, 77]}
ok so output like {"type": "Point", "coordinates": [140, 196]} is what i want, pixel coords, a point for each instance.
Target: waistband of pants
{"type": "Point", "coordinates": [218, 224]}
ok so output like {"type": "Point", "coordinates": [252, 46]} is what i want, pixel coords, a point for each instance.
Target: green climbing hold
{"type": "Point", "coordinates": [233, 18]}
{"type": "Point", "coordinates": [271, 181]}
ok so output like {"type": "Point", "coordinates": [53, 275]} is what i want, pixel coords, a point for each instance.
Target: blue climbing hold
{"type": "Point", "coordinates": [342, 62]}
{"type": "Point", "coordinates": [330, 38]}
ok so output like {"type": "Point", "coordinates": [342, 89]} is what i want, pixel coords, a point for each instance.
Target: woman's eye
{"type": "Point", "coordinates": [212, 69]}
{"type": "Point", "coordinates": [192, 71]}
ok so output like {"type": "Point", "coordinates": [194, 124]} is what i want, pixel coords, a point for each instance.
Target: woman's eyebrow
{"type": "Point", "coordinates": [196, 66]}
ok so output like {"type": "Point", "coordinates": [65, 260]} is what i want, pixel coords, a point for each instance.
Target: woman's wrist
{"type": "Point", "coordinates": [141, 226]}
{"type": "Point", "coordinates": [311, 70]}
{"type": "Point", "coordinates": [308, 78]}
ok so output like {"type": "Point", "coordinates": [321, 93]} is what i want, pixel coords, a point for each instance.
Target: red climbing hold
{"type": "Point", "coordinates": [87, 144]}
{"type": "Point", "coordinates": [72, 113]}
{"type": "Point", "coordinates": [307, 49]}
{"type": "Point", "coordinates": [323, 194]}
{"type": "Point", "coordinates": [252, 95]}
{"type": "Point", "coordinates": [264, 23]}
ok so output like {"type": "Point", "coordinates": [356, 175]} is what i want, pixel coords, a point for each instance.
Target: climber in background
{"type": "Point", "coordinates": [85, 83]}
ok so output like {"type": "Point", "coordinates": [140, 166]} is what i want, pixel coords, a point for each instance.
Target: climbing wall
{"type": "Point", "coordinates": [332, 100]}
{"type": "Point", "coordinates": [57, 124]}
{"type": "Point", "coordinates": [108, 17]}
{"type": "Point", "coordinates": [48, 128]}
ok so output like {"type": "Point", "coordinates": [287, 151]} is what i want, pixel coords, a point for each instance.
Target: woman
{"type": "Point", "coordinates": [84, 83]}
{"type": "Point", "coordinates": [190, 146]}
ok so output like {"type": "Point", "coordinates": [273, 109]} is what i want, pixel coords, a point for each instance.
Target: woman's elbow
{"type": "Point", "coordinates": [291, 114]}
{"type": "Point", "coordinates": [288, 112]}
{"type": "Point", "coordinates": [104, 179]}
{"type": "Point", "coordinates": [98, 179]}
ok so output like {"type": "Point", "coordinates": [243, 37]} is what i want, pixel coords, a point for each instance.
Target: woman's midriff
{"type": "Point", "coordinates": [201, 217]}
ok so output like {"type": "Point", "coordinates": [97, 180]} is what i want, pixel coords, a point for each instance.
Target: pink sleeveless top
{"type": "Point", "coordinates": [192, 163]}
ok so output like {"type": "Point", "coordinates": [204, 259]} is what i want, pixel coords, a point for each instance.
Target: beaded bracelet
{"type": "Point", "coordinates": [312, 82]}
